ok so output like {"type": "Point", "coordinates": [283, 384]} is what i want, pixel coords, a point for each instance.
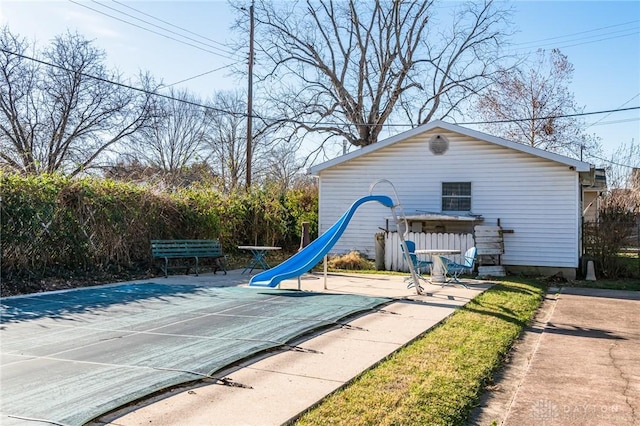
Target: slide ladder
{"type": "Point", "coordinates": [403, 230]}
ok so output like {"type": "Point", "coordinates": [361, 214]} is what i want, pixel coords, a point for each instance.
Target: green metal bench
{"type": "Point", "coordinates": [184, 249]}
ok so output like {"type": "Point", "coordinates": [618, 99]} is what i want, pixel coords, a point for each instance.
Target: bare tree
{"type": "Point", "coordinates": [62, 112]}
{"type": "Point", "coordinates": [176, 134]}
{"type": "Point", "coordinates": [530, 105]}
{"type": "Point", "coordinates": [346, 68]}
{"type": "Point", "coordinates": [227, 141]}
{"type": "Point", "coordinates": [623, 167]}
{"type": "Point", "coordinates": [283, 167]}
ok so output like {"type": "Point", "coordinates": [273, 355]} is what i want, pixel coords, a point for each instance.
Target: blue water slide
{"type": "Point", "coordinates": [309, 257]}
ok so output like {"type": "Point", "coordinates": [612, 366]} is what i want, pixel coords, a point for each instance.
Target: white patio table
{"type": "Point", "coordinates": [438, 270]}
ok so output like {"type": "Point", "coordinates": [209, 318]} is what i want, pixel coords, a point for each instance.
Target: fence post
{"type": "Point", "coordinates": [380, 248]}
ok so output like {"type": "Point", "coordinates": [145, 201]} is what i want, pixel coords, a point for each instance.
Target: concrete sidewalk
{"type": "Point", "coordinates": [578, 364]}
{"type": "Point", "coordinates": [281, 385]}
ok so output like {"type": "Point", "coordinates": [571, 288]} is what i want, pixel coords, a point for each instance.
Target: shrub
{"type": "Point", "coordinates": [351, 261]}
{"type": "Point", "coordinates": [31, 221]}
{"type": "Point", "coordinates": [302, 204]}
{"type": "Point", "coordinates": [617, 227]}
{"type": "Point", "coordinates": [51, 225]}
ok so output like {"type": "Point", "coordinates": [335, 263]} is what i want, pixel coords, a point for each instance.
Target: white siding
{"type": "Point", "coordinates": [536, 197]}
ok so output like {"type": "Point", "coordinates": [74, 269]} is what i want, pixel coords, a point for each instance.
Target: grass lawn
{"type": "Point", "coordinates": [437, 379]}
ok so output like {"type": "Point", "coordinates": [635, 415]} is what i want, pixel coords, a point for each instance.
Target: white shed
{"type": "Point", "coordinates": [444, 169]}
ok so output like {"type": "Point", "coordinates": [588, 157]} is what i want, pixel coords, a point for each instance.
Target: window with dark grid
{"type": "Point", "coordinates": [456, 196]}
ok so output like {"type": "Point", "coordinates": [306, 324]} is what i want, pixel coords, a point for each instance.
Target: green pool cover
{"type": "Point", "coordinates": [68, 357]}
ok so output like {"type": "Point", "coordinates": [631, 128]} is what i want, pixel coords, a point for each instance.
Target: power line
{"type": "Point", "coordinates": [162, 28]}
{"type": "Point", "coordinates": [237, 114]}
{"type": "Point", "coordinates": [612, 162]}
{"type": "Point", "coordinates": [598, 40]}
{"type": "Point", "coordinates": [170, 24]}
{"type": "Point", "coordinates": [614, 34]}
{"type": "Point", "coordinates": [173, 32]}
{"type": "Point", "coordinates": [579, 33]}
{"type": "Point", "coordinates": [572, 41]}
{"type": "Point", "coordinates": [604, 123]}
{"type": "Point", "coordinates": [564, 46]}
{"type": "Point", "coordinates": [581, 114]}
{"type": "Point", "coordinates": [164, 86]}
{"type": "Point", "coordinates": [126, 86]}
{"type": "Point", "coordinates": [596, 122]}
{"type": "Point", "coordinates": [402, 125]}
{"type": "Point", "coordinates": [152, 31]}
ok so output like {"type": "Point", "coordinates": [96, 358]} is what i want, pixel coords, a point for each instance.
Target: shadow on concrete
{"type": "Point", "coordinates": [64, 304]}
{"type": "Point", "coordinates": [573, 330]}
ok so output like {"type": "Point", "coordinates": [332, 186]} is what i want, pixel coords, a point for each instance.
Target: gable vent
{"type": "Point", "coordinates": [438, 144]}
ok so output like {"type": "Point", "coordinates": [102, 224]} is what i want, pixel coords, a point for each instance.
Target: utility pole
{"type": "Point", "coordinates": [250, 98]}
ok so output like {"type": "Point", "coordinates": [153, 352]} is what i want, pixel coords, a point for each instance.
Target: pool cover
{"type": "Point", "coordinates": [68, 357]}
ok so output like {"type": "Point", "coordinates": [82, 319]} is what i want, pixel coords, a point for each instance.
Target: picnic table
{"type": "Point", "coordinates": [258, 259]}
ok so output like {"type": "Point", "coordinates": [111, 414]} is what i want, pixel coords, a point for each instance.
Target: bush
{"type": "Point", "coordinates": [351, 261]}
{"type": "Point", "coordinates": [616, 228]}
{"type": "Point", "coordinates": [52, 225]}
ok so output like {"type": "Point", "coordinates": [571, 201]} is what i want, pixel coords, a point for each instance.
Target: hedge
{"type": "Point", "coordinates": [52, 223]}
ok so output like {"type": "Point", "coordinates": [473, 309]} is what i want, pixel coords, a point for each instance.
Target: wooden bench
{"type": "Point", "coordinates": [184, 249]}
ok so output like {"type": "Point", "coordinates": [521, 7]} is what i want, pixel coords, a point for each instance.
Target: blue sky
{"type": "Point", "coordinates": [601, 39]}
